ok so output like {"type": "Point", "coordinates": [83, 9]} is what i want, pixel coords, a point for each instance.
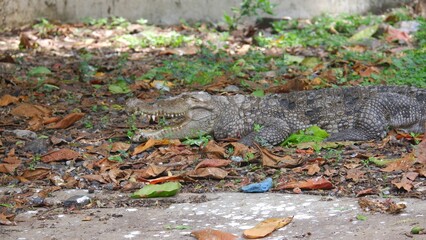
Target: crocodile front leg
{"type": "Point", "coordinates": [271, 133]}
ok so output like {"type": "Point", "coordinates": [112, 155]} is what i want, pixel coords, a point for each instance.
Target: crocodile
{"type": "Point", "coordinates": [358, 113]}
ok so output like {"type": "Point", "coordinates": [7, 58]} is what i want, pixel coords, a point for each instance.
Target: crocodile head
{"type": "Point", "coordinates": [193, 112]}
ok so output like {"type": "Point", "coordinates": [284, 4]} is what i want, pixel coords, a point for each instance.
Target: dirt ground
{"type": "Point", "coordinates": [116, 217]}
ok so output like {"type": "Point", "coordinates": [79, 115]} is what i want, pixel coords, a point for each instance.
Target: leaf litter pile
{"type": "Point", "coordinates": [63, 89]}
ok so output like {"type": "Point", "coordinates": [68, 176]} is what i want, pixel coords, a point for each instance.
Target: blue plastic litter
{"type": "Point", "coordinates": [260, 187]}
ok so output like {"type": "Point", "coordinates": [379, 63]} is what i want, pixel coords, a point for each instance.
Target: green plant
{"type": "Point", "coordinates": [200, 141]}
{"type": "Point", "coordinates": [408, 69]}
{"type": "Point", "coordinates": [34, 161]}
{"type": "Point", "coordinates": [333, 154]}
{"type": "Point", "coordinates": [311, 134]}
{"type": "Point", "coordinates": [248, 8]}
{"type": "Point", "coordinates": [366, 162]}
{"type": "Point", "coordinates": [44, 27]}
{"type": "Point", "coordinates": [249, 156]}
{"type": "Point", "coordinates": [87, 71]}
{"type": "Point", "coordinates": [257, 127]}
{"type": "Point", "coordinates": [131, 123]}
{"type": "Point", "coordinates": [105, 119]}
{"type": "Point", "coordinates": [88, 124]}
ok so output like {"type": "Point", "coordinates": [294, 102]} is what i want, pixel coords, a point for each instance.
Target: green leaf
{"type": "Point", "coordinates": [311, 134]}
{"type": "Point", "coordinates": [39, 71]}
{"type": "Point", "coordinates": [291, 59]}
{"type": "Point", "coordinates": [417, 230]}
{"type": "Point", "coordinates": [361, 217]}
{"type": "Point", "coordinates": [258, 93]}
{"type": "Point", "coordinates": [6, 205]}
{"type": "Point", "coordinates": [168, 189]}
{"type": "Point", "coordinates": [120, 87]}
{"type": "Point", "coordinates": [310, 62]}
{"type": "Point", "coordinates": [116, 158]}
{"type": "Point", "coordinates": [380, 162]}
{"type": "Point", "coordinates": [365, 33]}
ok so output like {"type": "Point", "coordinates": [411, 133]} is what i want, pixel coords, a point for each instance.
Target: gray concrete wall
{"type": "Point", "coordinates": [166, 12]}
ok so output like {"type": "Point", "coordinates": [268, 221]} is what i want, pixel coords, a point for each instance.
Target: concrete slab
{"type": "Point", "coordinates": [166, 12]}
{"type": "Point", "coordinates": [315, 217]}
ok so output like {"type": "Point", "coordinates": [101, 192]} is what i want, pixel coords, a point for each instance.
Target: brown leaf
{"type": "Point", "coordinates": [212, 234]}
{"type": "Point", "coordinates": [368, 191]}
{"type": "Point", "coordinates": [67, 121]}
{"type": "Point", "coordinates": [26, 42]}
{"type": "Point", "coordinates": [240, 149]}
{"type": "Point", "coordinates": [402, 164]}
{"type": "Point", "coordinates": [421, 151]}
{"type": "Point", "coordinates": [149, 172]}
{"type": "Point", "coordinates": [393, 34]}
{"type": "Point", "coordinates": [30, 110]}
{"type": "Point", "coordinates": [154, 142]}
{"type": "Point", "coordinates": [266, 227]}
{"type": "Point", "coordinates": [8, 99]}
{"type": "Point", "coordinates": [117, 175]}
{"type": "Point", "coordinates": [59, 155]}
{"type": "Point", "coordinates": [355, 174]}
{"type": "Point", "coordinates": [168, 179]}
{"type": "Point", "coordinates": [98, 178]}
{"type": "Point", "coordinates": [37, 174]}
{"type": "Point", "coordinates": [310, 184]}
{"type": "Point", "coordinates": [104, 164]}
{"type": "Point", "coordinates": [213, 163]}
{"type": "Point", "coordinates": [5, 220]}
{"type": "Point", "coordinates": [312, 168]}
{"type": "Point", "coordinates": [384, 206]}
{"type": "Point", "coordinates": [120, 146]}
{"type": "Point", "coordinates": [213, 150]}
{"type": "Point", "coordinates": [271, 160]}
{"type": "Point", "coordinates": [10, 163]}
{"type": "Point", "coordinates": [406, 181]}
{"type": "Point", "coordinates": [8, 168]}
{"type": "Point", "coordinates": [211, 172]}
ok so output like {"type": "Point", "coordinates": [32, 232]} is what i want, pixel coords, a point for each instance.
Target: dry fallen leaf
{"type": "Point", "coordinates": [310, 184]}
{"type": "Point", "coordinates": [8, 99]}
{"type": "Point", "coordinates": [5, 219]}
{"type": "Point", "coordinates": [312, 169]}
{"type": "Point", "coordinates": [59, 155]}
{"type": "Point", "coordinates": [120, 146]}
{"type": "Point", "coordinates": [402, 164]}
{"type": "Point", "coordinates": [212, 234]}
{"type": "Point", "coordinates": [67, 121]}
{"type": "Point", "coordinates": [368, 191]}
{"type": "Point", "coordinates": [30, 110]}
{"type": "Point", "coordinates": [355, 174]}
{"type": "Point", "coordinates": [98, 178]}
{"type": "Point", "coordinates": [10, 163]}
{"type": "Point", "coordinates": [383, 206]}
{"type": "Point", "coordinates": [421, 151]}
{"type": "Point", "coordinates": [154, 142]}
{"type": "Point", "coordinates": [213, 163]}
{"type": "Point", "coordinates": [210, 172]}
{"type": "Point", "coordinates": [167, 179]}
{"type": "Point", "coordinates": [406, 181]}
{"type": "Point", "coordinates": [37, 174]}
{"type": "Point", "coordinates": [271, 160]}
{"type": "Point", "coordinates": [149, 172]}
{"type": "Point", "coordinates": [35, 112]}
{"type": "Point", "coordinates": [213, 150]}
{"type": "Point", "coordinates": [266, 227]}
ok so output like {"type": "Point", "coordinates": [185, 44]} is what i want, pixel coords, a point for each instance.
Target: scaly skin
{"type": "Point", "coordinates": [355, 113]}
